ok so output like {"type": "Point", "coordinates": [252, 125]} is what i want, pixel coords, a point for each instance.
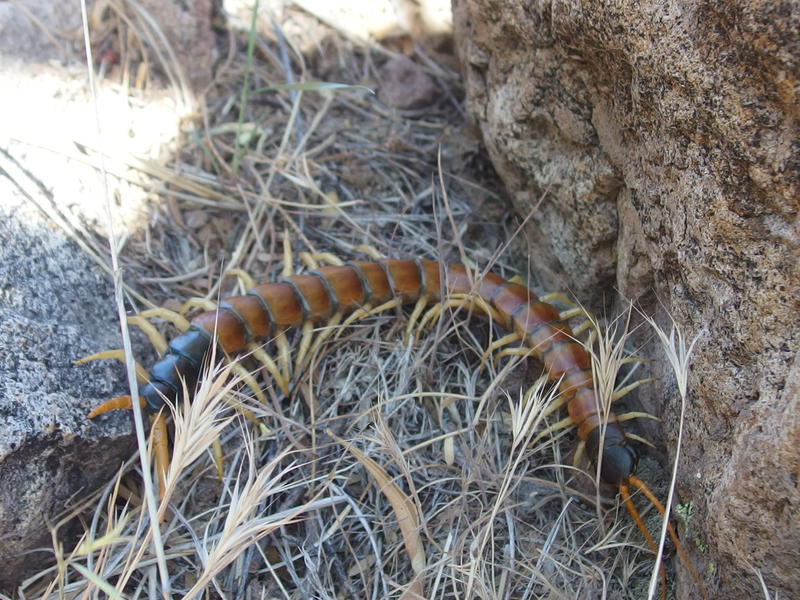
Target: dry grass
{"type": "Point", "coordinates": [391, 469]}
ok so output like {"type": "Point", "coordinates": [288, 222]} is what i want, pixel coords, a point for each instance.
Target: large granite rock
{"type": "Point", "coordinates": [656, 146]}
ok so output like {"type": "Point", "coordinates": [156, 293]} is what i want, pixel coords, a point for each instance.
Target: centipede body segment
{"type": "Point", "coordinates": [266, 310]}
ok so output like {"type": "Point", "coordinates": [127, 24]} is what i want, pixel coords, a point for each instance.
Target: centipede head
{"type": "Point", "coordinates": [618, 459]}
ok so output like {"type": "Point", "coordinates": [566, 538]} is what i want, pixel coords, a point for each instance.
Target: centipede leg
{"type": "Point", "coordinates": [160, 438]}
{"type": "Point", "coordinates": [245, 280]}
{"type": "Point", "coordinates": [496, 345]}
{"type": "Point", "coordinates": [156, 339]}
{"type": "Point", "coordinates": [370, 251]}
{"type": "Point", "coordinates": [564, 423]}
{"type": "Point", "coordinates": [197, 303]}
{"type": "Point", "coordinates": [636, 415]}
{"type": "Point", "coordinates": [457, 302]}
{"type": "Point", "coordinates": [284, 357]}
{"type": "Point", "coordinates": [117, 354]}
{"type": "Point", "coordinates": [249, 381]}
{"type": "Point", "coordinates": [520, 351]}
{"type": "Point", "coordinates": [322, 335]}
{"type": "Point", "coordinates": [312, 260]}
{"type": "Point", "coordinates": [306, 336]}
{"type": "Point", "coordinates": [623, 391]}
{"type": "Point", "coordinates": [216, 455]}
{"type": "Point", "coordinates": [422, 302]}
{"type": "Point", "coordinates": [177, 319]}
{"type": "Point", "coordinates": [640, 439]}
{"type": "Point", "coordinates": [579, 450]}
{"type": "Point", "coordinates": [368, 311]}
{"type": "Point", "coordinates": [259, 354]}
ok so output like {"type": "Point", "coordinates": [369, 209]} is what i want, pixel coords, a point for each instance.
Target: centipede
{"type": "Point", "coordinates": [342, 292]}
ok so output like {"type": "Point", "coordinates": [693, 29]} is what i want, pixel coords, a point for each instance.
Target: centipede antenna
{"type": "Point", "coordinates": [626, 499]}
{"type": "Point", "coordinates": [640, 485]}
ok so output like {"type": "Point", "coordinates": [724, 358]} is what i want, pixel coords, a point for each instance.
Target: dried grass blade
{"type": "Point", "coordinates": [407, 516]}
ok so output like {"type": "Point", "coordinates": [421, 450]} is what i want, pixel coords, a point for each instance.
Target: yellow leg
{"type": "Point", "coordinates": [576, 460]}
{"type": "Point", "coordinates": [564, 423]}
{"type": "Point", "coordinates": [579, 329]}
{"type": "Point", "coordinates": [248, 380]}
{"type": "Point", "coordinates": [155, 337]}
{"type": "Point", "coordinates": [200, 303]}
{"type": "Point", "coordinates": [243, 276]}
{"type": "Point", "coordinates": [636, 415]}
{"type": "Point", "coordinates": [368, 311]}
{"type": "Point", "coordinates": [177, 319]}
{"type": "Point", "coordinates": [457, 302]}
{"type": "Point", "coordinates": [521, 351]}
{"type": "Point", "coordinates": [639, 439]}
{"type": "Point", "coordinates": [160, 439]}
{"type": "Point", "coordinates": [216, 454]}
{"type": "Point", "coordinates": [118, 354]}
{"type": "Point", "coordinates": [312, 260]}
{"type": "Point", "coordinates": [306, 336]}
{"type": "Point", "coordinates": [369, 251]}
{"type": "Point", "coordinates": [507, 339]}
{"type": "Point", "coordinates": [414, 316]}
{"type": "Point", "coordinates": [322, 335]}
{"type": "Point", "coordinates": [284, 357]}
{"type": "Point", "coordinates": [559, 297]}
{"type": "Point", "coordinates": [259, 354]}
{"type": "Point", "coordinates": [571, 313]}
{"type": "Point", "coordinates": [554, 406]}
{"type": "Point", "coordinates": [629, 388]}
{"type": "Point", "coordinates": [288, 259]}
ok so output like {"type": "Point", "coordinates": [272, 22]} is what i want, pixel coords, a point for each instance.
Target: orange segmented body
{"type": "Point", "coordinates": [270, 308]}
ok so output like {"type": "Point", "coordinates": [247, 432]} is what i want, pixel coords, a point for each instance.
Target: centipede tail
{"type": "Point", "coordinates": [268, 309]}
